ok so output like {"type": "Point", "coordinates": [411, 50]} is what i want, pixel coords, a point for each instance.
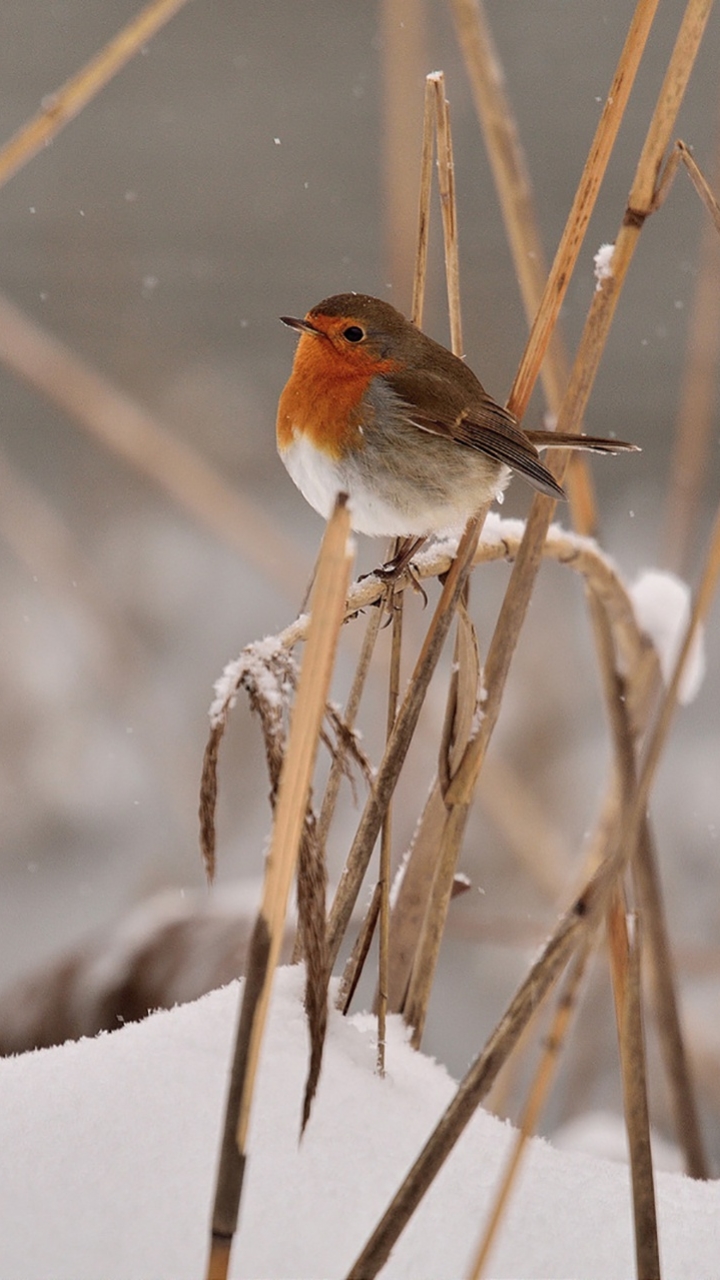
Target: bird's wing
{"type": "Point", "coordinates": [497, 435]}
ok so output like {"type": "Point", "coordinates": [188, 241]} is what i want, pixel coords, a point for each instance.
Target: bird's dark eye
{"type": "Point", "coordinates": [354, 333]}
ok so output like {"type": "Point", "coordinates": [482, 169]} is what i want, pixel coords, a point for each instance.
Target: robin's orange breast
{"type": "Point", "coordinates": [324, 399]}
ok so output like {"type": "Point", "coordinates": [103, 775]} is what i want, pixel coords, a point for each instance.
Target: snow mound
{"type": "Point", "coordinates": [107, 1163]}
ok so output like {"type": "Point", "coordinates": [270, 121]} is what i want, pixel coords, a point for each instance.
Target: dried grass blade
{"type": "Point", "coordinates": [61, 107]}
{"type": "Point", "coordinates": [290, 816]}
{"type": "Point", "coordinates": [624, 938]}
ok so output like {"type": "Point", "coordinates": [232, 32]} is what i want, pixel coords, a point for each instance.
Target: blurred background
{"type": "Point", "coordinates": [254, 159]}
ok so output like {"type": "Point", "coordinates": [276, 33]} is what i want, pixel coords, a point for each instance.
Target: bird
{"type": "Point", "coordinates": [376, 409]}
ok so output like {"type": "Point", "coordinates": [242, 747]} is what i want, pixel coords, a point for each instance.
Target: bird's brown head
{"type": "Point", "coordinates": [363, 332]}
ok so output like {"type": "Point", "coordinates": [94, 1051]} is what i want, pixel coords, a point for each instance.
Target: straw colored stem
{"type": "Point", "coordinates": [423, 231]}
{"type": "Point", "coordinates": [698, 397]}
{"type": "Point", "coordinates": [61, 107]}
{"type": "Point", "coordinates": [625, 966]}
{"type": "Point", "coordinates": [446, 185]}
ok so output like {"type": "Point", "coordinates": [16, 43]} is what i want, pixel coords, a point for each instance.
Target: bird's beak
{"type": "Point", "coordinates": [303, 326]}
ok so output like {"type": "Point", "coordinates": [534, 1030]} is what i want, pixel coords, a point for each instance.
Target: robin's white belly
{"type": "Point", "coordinates": [320, 479]}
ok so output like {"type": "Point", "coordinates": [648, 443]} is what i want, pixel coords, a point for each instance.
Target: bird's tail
{"type": "Point", "coordinates": [566, 440]}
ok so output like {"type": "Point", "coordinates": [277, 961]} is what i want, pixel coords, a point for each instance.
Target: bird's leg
{"type": "Point", "coordinates": [400, 563]}
{"type": "Point", "coordinates": [392, 569]}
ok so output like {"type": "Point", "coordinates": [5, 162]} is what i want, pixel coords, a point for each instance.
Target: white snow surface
{"type": "Point", "coordinates": [661, 602]}
{"type": "Point", "coordinates": [108, 1149]}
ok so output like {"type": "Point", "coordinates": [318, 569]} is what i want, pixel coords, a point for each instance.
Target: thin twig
{"type": "Point", "coordinates": [59, 108]}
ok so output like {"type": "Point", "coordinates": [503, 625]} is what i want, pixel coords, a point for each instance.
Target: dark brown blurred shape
{"type": "Point", "coordinates": [167, 951]}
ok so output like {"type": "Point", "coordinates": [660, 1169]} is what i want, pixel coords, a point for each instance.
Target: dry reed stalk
{"type": "Point", "coordinates": [542, 293]}
{"type": "Point", "coordinates": [625, 950]}
{"type": "Point", "coordinates": [585, 367]}
{"type": "Point", "coordinates": [515, 604]}
{"type": "Point", "coordinates": [59, 108]}
{"type": "Point", "coordinates": [290, 816]}
{"type": "Point", "coordinates": [403, 42]}
{"type": "Point", "coordinates": [423, 217]}
{"type": "Point", "coordinates": [547, 1066]}
{"type": "Point", "coordinates": [514, 190]}
{"type": "Point", "coordinates": [448, 206]}
{"type": "Point", "coordinates": [698, 397]}
{"type": "Point", "coordinates": [130, 432]}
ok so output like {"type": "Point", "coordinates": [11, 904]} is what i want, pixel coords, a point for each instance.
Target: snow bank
{"type": "Point", "coordinates": [107, 1160]}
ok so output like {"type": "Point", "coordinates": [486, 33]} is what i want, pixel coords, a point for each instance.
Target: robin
{"type": "Point", "coordinates": [376, 409]}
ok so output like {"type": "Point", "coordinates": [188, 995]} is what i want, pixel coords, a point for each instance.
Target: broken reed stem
{"type": "Point", "coordinates": [448, 206]}
{"type": "Point", "coordinates": [290, 816]}
{"type": "Point", "coordinates": [625, 950]}
{"type": "Point", "coordinates": [59, 108]}
{"type": "Point", "coordinates": [547, 1066]}
{"type": "Point", "coordinates": [131, 433]}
